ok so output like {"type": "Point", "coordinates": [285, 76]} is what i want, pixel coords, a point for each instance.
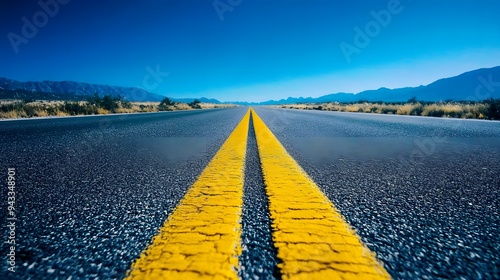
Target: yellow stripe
{"type": "Point", "coordinates": [201, 238]}
{"type": "Point", "coordinates": [312, 238]}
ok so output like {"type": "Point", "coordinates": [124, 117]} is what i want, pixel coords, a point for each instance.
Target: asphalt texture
{"type": "Point", "coordinates": [92, 191]}
{"type": "Point", "coordinates": [258, 258]}
{"type": "Point", "coordinates": [422, 193]}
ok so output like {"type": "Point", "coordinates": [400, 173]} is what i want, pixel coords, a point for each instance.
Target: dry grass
{"type": "Point", "coordinates": [181, 106]}
{"type": "Point", "coordinates": [9, 115]}
{"type": "Point", "coordinates": [41, 113]}
{"type": "Point", "coordinates": [447, 110]}
{"type": "Point", "coordinates": [10, 109]}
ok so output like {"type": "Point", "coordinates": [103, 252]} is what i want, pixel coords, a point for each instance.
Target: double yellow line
{"type": "Point", "coordinates": [201, 238]}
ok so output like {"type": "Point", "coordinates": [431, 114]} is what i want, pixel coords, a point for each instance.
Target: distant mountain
{"type": "Point", "coordinates": [475, 85]}
{"type": "Point", "coordinates": [37, 95]}
{"type": "Point", "coordinates": [70, 90]}
{"type": "Point", "coordinates": [49, 90]}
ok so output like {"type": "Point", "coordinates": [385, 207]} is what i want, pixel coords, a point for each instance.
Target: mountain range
{"type": "Point", "coordinates": [475, 85]}
{"type": "Point", "coordinates": [68, 90]}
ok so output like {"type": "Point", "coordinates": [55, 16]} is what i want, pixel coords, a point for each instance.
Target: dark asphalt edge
{"type": "Point", "coordinates": [258, 259]}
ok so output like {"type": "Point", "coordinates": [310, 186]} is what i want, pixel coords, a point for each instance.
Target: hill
{"type": "Point", "coordinates": [476, 85]}
{"type": "Point", "coordinates": [68, 90]}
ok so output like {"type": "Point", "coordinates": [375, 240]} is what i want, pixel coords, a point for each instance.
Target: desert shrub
{"type": "Point", "coordinates": [166, 101]}
{"type": "Point", "coordinates": [76, 108]}
{"type": "Point", "coordinates": [126, 104]}
{"type": "Point", "coordinates": [453, 110]}
{"type": "Point", "coordinates": [404, 109]}
{"type": "Point", "coordinates": [29, 111]}
{"type": "Point", "coordinates": [195, 104]}
{"type": "Point", "coordinates": [388, 110]}
{"type": "Point", "coordinates": [52, 110]}
{"type": "Point", "coordinates": [413, 109]}
{"type": "Point", "coordinates": [9, 107]}
{"type": "Point", "coordinates": [417, 109]}
{"type": "Point", "coordinates": [433, 110]}
{"type": "Point", "coordinates": [102, 111]}
{"type": "Point", "coordinates": [41, 113]}
{"type": "Point", "coordinates": [9, 115]}
{"type": "Point", "coordinates": [165, 104]}
{"type": "Point", "coordinates": [493, 111]}
{"type": "Point", "coordinates": [108, 102]}
{"type": "Point", "coordinates": [351, 108]}
{"type": "Point", "coordinates": [94, 99]}
{"type": "Point", "coordinates": [489, 109]}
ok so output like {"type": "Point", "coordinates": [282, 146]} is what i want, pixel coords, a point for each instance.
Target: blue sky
{"type": "Point", "coordinates": [242, 50]}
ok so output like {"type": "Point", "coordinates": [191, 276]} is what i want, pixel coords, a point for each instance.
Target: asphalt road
{"type": "Point", "coordinates": [92, 191]}
{"type": "Point", "coordinates": [423, 193]}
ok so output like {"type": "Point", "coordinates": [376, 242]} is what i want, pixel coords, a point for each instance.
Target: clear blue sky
{"type": "Point", "coordinates": [252, 51]}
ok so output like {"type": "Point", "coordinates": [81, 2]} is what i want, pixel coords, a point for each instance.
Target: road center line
{"type": "Point", "coordinates": [201, 238]}
{"type": "Point", "coordinates": [313, 239]}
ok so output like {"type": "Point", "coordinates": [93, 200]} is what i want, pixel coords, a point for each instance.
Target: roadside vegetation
{"type": "Point", "coordinates": [487, 109]}
{"type": "Point", "coordinates": [94, 105]}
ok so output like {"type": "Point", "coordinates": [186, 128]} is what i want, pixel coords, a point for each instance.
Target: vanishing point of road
{"type": "Point", "coordinates": [254, 194]}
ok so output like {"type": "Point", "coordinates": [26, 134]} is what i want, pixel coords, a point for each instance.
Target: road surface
{"type": "Point", "coordinates": [92, 192]}
{"type": "Point", "coordinates": [423, 193]}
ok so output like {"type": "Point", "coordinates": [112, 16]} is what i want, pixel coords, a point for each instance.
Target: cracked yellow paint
{"type": "Point", "coordinates": [312, 238]}
{"type": "Point", "coordinates": [201, 238]}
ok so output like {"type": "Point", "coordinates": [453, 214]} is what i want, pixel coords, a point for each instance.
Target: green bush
{"type": "Point", "coordinates": [75, 108]}
{"type": "Point", "coordinates": [126, 104]}
{"type": "Point", "coordinates": [165, 104]}
{"type": "Point", "coordinates": [195, 104]}
{"type": "Point", "coordinates": [17, 106]}
{"type": "Point", "coordinates": [108, 102]}
{"type": "Point", "coordinates": [493, 112]}
{"type": "Point", "coordinates": [386, 110]}
{"type": "Point", "coordinates": [417, 110]}
{"type": "Point", "coordinates": [435, 112]}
